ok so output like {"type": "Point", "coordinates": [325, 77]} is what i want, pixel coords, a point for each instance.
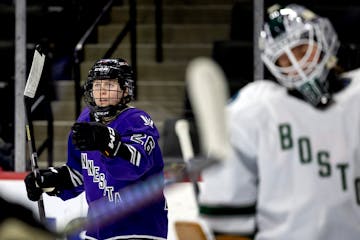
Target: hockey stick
{"type": "Point", "coordinates": [182, 130]}
{"type": "Point", "coordinates": [208, 94]}
{"type": "Point", "coordinates": [139, 195]}
{"type": "Point", "coordinates": [29, 94]}
{"type": "Point", "coordinates": [212, 119]}
{"type": "Point", "coordinates": [186, 230]}
{"type": "Point", "coordinates": [134, 198]}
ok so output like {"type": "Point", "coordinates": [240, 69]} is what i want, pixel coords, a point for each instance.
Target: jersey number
{"type": "Point", "coordinates": [147, 141]}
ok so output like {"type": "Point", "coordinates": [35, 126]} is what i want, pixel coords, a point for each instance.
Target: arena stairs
{"type": "Point", "coordinates": [189, 29]}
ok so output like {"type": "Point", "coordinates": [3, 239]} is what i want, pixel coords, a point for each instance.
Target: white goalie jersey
{"type": "Point", "coordinates": [294, 172]}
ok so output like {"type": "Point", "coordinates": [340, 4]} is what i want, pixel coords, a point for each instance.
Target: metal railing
{"type": "Point", "coordinates": [130, 27]}
{"type": "Point", "coordinates": [48, 143]}
{"type": "Point", "coordinates": [79, 55]}
{"type": "Point", "coordinates": [159, 30]}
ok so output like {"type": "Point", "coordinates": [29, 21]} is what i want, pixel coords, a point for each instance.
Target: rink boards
{"type": "Point", "coordinates": [180, 198]}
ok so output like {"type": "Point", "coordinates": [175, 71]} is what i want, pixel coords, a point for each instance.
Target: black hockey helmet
{"type": "Point", "coordinates": [105, 69]}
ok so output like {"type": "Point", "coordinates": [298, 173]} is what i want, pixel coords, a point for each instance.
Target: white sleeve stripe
{"type": "Point", "coordinates": [138, 157]}
{"type": "Point", "coordinates": [117, 148]}
{"type": "Point", "coordinates": [77, 175]}
{"type": "Point", "coordinates": [76, 178]}
{"type": "Point", "coordinates": [132, 153]}
{"type": "Point", "coordinates": [135, 155]}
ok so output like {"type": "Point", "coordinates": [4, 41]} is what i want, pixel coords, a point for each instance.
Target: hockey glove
{"type": "Point", "coordinates": [49, 180]}
{"type": "Point", "coordinates": [96, 136]}
{"type": "Point", "coordinates": [33, 191]}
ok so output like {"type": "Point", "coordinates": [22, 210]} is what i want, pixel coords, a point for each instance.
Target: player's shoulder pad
{"type": "Point", "coordinates": [353, 87]}
{"type": "Point", "coordinates": [84, 115]}
{"type": "Point", "coordinates": [353, 74]}
{"type": "Point", "coordinates": [141, 121]}
{"type": "Point", "coordinates": [258, 91]}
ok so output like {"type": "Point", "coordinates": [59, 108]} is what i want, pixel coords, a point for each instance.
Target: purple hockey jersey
{"type": "Point", "coordinates": [106, 177]}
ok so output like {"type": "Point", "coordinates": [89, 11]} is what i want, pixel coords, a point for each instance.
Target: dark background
{"type": "Point", "coordinates": [59, 24]}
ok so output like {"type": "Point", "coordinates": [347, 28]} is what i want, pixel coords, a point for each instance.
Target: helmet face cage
{"type": "Point", "coordinates": [109, 69]}
{"type": "Point", "coordinates": [295, 26]}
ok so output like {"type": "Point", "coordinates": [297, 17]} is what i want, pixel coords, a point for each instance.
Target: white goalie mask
{"type": "Point", "coordinates": [295, 26]}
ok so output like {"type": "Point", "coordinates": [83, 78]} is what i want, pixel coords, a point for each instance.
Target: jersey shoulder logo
{"type": "Point", "coordinates": [147, 121]}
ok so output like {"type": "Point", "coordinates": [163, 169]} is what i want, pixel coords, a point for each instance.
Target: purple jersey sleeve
{"type": "Point", "coordinates": [138, 132]}
{"type": "Point", "coordinates": [74, 160]}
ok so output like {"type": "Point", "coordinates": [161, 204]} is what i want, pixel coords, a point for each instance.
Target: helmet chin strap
{"type": "Point", "coordinates": [100, 113]}
{"type": "Point", "coordinates": [105, 114]}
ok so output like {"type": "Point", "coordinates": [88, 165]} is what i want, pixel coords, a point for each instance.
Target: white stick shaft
{"type": "Point", "coordinates": [208, 93]}
{"type": "Point", "coordinates": [182, 130]}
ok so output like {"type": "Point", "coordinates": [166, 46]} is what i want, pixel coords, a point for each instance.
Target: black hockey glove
{"type": "Point", "coordinates": [96, 136]}
{"type": "Point", "coordinates": [49, 180]}
{"type": "Point", "coordinates": [33, 191]}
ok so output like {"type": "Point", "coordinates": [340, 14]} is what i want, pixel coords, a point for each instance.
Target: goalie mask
{"type": "Point", "coordinates": [295, 27]}
{"type": "Point", "coordinates": [109, 87]}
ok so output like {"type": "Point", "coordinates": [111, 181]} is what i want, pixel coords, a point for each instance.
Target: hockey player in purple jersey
{"type": "Point", "coordinates": [111, 146]}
